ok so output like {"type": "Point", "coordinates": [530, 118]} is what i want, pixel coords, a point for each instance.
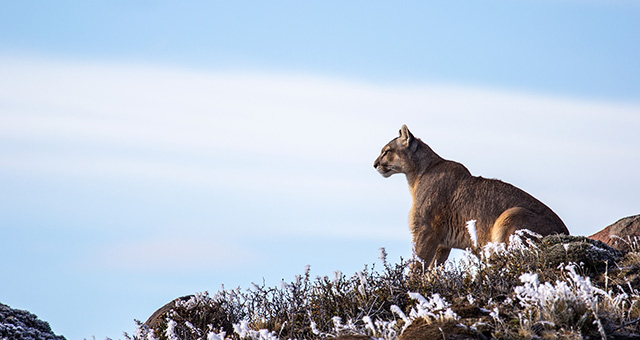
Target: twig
{"type": "Point", "coordinates": [626, 324]}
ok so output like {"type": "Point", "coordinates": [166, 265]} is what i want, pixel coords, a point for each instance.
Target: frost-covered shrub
{"type": "Point", "coordinates": [515, 291]}
{"type": "Point", "coordinates": [436, 308]}
{"type": "Point", "coordinates": [571, 301]}
{"type": "Point", "coordinates": [21, 324]}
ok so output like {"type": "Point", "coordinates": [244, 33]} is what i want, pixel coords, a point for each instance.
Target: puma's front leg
{"type": "Point", "coordinates": [427, 244]}
{"type": "Point", "coordinates": [442, 254]}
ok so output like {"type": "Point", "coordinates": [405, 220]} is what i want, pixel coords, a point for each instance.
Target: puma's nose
{"type": "Point", "coordinates": [376, 163]}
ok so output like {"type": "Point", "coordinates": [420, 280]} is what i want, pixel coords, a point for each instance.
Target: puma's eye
{"type": "Point", "coordinates": [385, 152]}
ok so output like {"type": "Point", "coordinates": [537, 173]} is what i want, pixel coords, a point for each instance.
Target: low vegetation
{"type": "Point", "coordinates": [557, 287]}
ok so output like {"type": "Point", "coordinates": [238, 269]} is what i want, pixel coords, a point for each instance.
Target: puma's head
{"type": "Point", "coordinates": [396, 156]}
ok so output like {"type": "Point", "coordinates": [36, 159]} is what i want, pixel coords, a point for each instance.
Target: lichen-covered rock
{"type": "Point", "coordinates": [20, 324]}
{"type": "Point", "coordinates": [595, 255]}
{"type": "Point", "coordinates": [620, 234]}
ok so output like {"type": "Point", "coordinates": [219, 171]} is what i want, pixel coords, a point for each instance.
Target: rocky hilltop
{"type": "Point", "coordinates": [557, 287]}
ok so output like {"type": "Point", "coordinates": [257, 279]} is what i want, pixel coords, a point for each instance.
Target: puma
{"type": "Point", "coordinates": [446, 196]}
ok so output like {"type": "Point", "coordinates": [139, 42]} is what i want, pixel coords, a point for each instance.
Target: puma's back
{"type": "Point", "coordinates": [446, 196]}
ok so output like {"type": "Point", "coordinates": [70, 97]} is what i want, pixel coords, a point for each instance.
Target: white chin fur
{"type": "Point", "coordinates": [384, 173]}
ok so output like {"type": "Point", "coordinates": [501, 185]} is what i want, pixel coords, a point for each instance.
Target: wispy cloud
{"type": "Point", "coordinates": [173, 254]}
{"type": "Point", "coordinates": [300, 133]}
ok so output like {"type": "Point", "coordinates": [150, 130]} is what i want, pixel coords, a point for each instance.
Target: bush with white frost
{"type": "Point", "coordinates": [514, 291]}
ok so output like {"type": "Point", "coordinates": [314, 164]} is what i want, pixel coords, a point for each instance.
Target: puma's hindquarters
{"type": "Point", "coordinates": [446, 196]}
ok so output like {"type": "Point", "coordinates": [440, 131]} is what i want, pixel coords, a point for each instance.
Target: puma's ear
{"type": "Point", "coordinates": [405, 136]}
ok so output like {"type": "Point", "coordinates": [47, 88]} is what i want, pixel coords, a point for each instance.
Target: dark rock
{"type": "Point", "coordinates": [20, 324]}
{"type": "Point", "coordinates": [626, 229]}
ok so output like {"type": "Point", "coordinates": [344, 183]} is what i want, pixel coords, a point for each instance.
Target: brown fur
{"type": "Point", "coordinates": [446, 196]}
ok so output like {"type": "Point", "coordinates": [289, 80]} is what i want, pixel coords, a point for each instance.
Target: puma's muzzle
{"type": "Point", "coordinates": [384, 171]}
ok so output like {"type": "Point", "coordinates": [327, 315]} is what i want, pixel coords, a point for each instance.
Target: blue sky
{"type": "Point", "coordinates": [153, 149]}
{"type": "Point", "coordinates": [572, 47]}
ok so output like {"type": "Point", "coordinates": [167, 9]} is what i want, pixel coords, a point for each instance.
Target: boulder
{"type": "Point", "coordinates": [621, 234]}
